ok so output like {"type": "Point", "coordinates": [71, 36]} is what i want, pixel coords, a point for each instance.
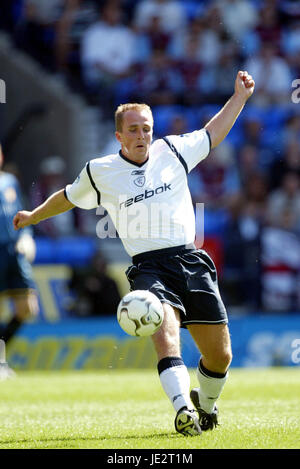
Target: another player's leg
{"type": "Point", "coordinates": [25, 307]}
{"type": "Point", "coordinates": [173, 373]}
{"type": "Point", "coordinates": [213, 342]}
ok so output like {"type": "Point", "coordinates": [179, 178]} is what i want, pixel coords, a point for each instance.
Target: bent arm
{"type": "Point", "coordinates": [220, 125]}
{"type": "Point", "coordinates": [54, 205]}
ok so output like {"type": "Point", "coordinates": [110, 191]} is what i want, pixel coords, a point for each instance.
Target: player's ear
{"type": "Point", "coordinates": [118, 136]}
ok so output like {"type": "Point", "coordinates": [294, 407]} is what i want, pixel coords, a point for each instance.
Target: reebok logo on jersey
{"type": "Point", "coordinates": [138, 172]}
{"type": "Point", "coordinates": [146, 195]}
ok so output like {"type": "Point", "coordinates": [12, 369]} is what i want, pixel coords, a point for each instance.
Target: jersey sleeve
{"type": "Point", "coordinates": [82, 192]}
{"type": "Point", "coordinates": [193, 147]}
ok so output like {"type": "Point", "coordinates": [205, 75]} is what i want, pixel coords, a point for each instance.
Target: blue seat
{"type": "Point", "coordinates": [163, 116]}
{"type": "Point", "coordinates": [193, 8]}
{"type": "Point", "coordinates": [75, 250]}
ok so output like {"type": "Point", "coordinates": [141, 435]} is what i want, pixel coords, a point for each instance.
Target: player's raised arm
{"type": "Point", "coordinates": [54, 205]}
{"type": "Point", "coordinates": [220, 125]}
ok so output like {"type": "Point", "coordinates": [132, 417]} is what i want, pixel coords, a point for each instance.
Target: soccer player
{"type": "Point", "coordinates": [145, 177]}
{"type": "Point", "coordinates": [16, 249]}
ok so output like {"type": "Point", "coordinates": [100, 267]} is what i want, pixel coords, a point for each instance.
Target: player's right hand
{"type": "Point", "coordinates": [23, 219]}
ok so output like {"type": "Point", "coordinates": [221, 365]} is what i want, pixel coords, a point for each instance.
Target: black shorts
{"type": "Point", "coordinates": [185, 278]}
{"type": "Point", "coordinates": [15, 271]}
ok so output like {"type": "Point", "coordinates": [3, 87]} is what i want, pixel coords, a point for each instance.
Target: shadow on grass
{"type": "Point", "coordinates": [99, 438]}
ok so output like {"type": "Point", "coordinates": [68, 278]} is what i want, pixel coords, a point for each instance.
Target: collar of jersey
{"type": "Point", "coordinates": [132, 162]}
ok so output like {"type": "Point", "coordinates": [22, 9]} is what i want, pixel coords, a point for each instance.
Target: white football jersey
{"type": "Point", "coordinates": [150, 203]}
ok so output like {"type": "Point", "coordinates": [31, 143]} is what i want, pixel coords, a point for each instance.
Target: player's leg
{"type": "Point", "coordinates": [173, 374]}
{"type": "Point", "coordinates": [19, 286]}
{"type": "Point", "coordinates": [25, 306]}
{"type": "Point", "coordinates": [213, 341]}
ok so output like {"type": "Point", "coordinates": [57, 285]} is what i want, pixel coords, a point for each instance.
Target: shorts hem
{"type": "Point", "coordinates": [197, 321]}
{"type": "Point", "coordinates": [181, 308]}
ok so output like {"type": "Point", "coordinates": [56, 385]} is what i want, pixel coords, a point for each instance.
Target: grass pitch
{"type": "Point", "coordinates": [259, 408]}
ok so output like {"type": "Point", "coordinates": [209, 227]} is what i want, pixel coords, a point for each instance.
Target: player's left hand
{"type": "Point", "coordinates": [244, 84]}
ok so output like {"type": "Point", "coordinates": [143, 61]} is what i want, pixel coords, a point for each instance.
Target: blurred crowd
{"type": "Point", "coordinates": [181, 57]}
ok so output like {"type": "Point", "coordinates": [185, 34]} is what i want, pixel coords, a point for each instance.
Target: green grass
{"type": "Point", "coordinates": [128, 409]}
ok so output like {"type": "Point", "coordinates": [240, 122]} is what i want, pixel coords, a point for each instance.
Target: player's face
{"type": "Point", "coordinates": [136, 135]}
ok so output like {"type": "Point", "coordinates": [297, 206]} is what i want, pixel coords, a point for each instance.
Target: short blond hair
{"type": "Point", "coordinates": [122, 108]}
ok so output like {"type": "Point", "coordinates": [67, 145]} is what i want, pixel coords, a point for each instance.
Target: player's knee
{"type": "Point", "coordinates": [223, 359]}
{"type": "Point", "coordinates": [25, 314]}
{"type": "Point", "coordinates": [219, 361]}
{"type": "Point", "coordinates": [226, 358]}
{"type": "Point", "coordinates": [26, 308]}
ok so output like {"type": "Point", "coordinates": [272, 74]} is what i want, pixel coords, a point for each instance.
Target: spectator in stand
{"type": "Point", "coordinates": [291, 39]}
{"type": "Point", "coordinates": [290, 163]}
{"type": "Point", "coordinates": [286, 197]}
{"type": "Point", "coordinates": [248, 162]}
{"type": "Point", "coordinates": [252, 130]}
{"type": "Point", "coordinates": [157, 82]}
{"type": "Point", "coordinates": [171, 13]}
{"type": "Point", "coordinates": [252, 133]}
{"type": "Point", "coordinates": [268, 64]}
{"type": "Point", "coordinates": [211, 88]}
{"type": "Point", "coordinates": [238, 16]}
{"type": "Point", "coordinates": [216, 180]}
{"type": "Point", "coordinates": [102, 67]}
{"type": "Point", "coordinates": [189, 67]}
{"type": "Point", "coordinates": [178, 125]}
{"type": "Point", "coordinates": [291, 46]}
{"type": "Point", "coordinates": [281, 264]}
{"type": "Point", "coordinates": [256, 194]}
{"type": "Point", "coordinates": [76, 18]}
{"type": "Point", "coordinates": [207, 42]}
{"type": "Point", "coordinates": [149, 39]}
{"type": "Point", "coordinates": [269, 28]}
{"type": "Point", "coordinates": [52, 177]}
{"type": "Point", "coordinates": [158, 38]}
{"type": "Point", "coordinates": [289, 10]}
{"type": "Point", "coordinates": [291, 129]}
{"type": "Point", "coordinates": [242, 243]}
{"type": "Point", "coordinates": [95, 292]}
{"type": "Point", "coordinates": [36, 31]}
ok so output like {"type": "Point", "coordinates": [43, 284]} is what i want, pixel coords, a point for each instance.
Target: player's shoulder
{"type": "Point", "coordinates": [159, 143]}
{"type": "Point", "coordinates": [189, 140]}
{"type": "Point", "coordinates": [110, 160]}
{"type": "Point", "coordinates": [197, 133]}
{"type": "Point", "coordinates": [163, 142]}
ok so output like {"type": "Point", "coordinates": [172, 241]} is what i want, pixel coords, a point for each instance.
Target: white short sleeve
{"type": "Point", "coordinates": [82, 193]}
{"type": "Point", "coordinates": [193, 147]}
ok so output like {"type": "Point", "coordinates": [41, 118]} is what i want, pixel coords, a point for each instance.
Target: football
{"type": "Point", "coordinates": [140, 313]}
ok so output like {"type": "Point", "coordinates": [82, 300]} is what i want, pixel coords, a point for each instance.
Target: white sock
{"type": "Point", "coordinates": [175, 381]}
{"type": "Point", "coordinates": [211, 385]}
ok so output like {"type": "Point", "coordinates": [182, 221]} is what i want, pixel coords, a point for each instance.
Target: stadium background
{"type": "Point", "coordinates": [181, 58]}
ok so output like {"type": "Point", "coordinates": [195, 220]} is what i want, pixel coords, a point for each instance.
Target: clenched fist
{"type": "Point", "coordinates": [244, 84]}
{"type": "Point", "coordinates": [23, 219]}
